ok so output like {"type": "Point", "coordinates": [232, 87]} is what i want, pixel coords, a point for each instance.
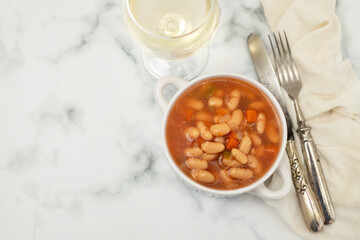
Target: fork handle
{"type": "Point", "coordinates": [310, 208]}
{"type": "Point", "coordinates": [316, 175]}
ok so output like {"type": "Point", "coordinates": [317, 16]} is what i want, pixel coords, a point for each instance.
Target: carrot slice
{"type": "Point", "coordinates": [251, 115]}
{"type": "Point", "coordinates": [232, 143]}
{"type": "Point", "coordinates": [231, 135]}
{"type": "Point", "coordinates": [199, 141]}
{"type": "Point", "coordinates": [222, 111]}
{"type": "Point", "coordinates": [189, 115]}
{"type": "Point", "coordinates": [271, 148]}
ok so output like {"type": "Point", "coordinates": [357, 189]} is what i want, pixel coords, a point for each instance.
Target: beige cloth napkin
{"type": "Point", "coordinates": [330, 99]}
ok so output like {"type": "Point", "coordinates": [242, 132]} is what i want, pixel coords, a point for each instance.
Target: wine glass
{"type": "Point", "coordinates": [172, 34]}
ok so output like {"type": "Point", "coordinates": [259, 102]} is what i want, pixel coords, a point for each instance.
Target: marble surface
{"type": "Point", "coordinates": [80, 148]}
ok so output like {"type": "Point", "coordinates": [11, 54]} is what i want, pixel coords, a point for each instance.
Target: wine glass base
{"type": "Point", "coordinates": [187, 68]}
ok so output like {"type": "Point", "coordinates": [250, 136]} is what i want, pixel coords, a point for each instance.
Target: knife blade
{"type": "Point", "coordinates": [312, 214]}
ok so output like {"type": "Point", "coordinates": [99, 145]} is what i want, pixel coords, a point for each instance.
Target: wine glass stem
{"type": "Point", "coordinates": [187, 68]}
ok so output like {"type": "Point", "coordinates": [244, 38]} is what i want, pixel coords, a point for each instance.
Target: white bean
{"type": "Point", "coordinates": [215, 102]}
{"type": "Point", "coordinates": [234, 100]}
{"type": "Point", "coordinates": [204, 131]}
{"type": "Point", "coordinates": [240, 173]}
{"type": "Point", "coordinates": [260, 127]}
{"type": "Point", "coordinates": [272, 134]}
{"type": "Point", "coordinates": [208, 156]}
{"type": "Point", "coordinates": [220, 129]}
{"type": "Point", "coordinates": [254, 163]}
{"type": "Point", "coordinates": [261, 116]}
{"type": "Point", "coordinates": [225, 177]}
{"type": "Point", "coordinates": [193, 152]}
{"type": "Point", "coordinates": [219, 140]}
{"type": "Point", "coordinates": [256, 140]}
{"type": "Point", "coordinates": [221, 118]}
{"type": "Point", "coordinates": [260, 123]}
{"type": "Point", "coordinates": [235, 120]}
{"type": "Point", "coordinates": [229, 162]}
{"type": "Point", "coordinates": [192, 133]}
{"type": "Point", "coordinates": [195, 163]}
{"type": "Point", "coordinates": [258, 105]}
{"type": "Point", "coordinates": [203, 176]}
{"type": "Point", "coordinates": [233, 103]}
{"type": "Point", "coordinates": [203, 116]}
{"type": "Point", "coordinates": [195, 104]}
{"type": "Point", "coordinates": [239, 156]}
{"type": "Point", "coordinates": [212, 147]}
{"type": "Point", "coordinates": [245, 145]}
{"type": "Point", "coordinates": [235, 93]}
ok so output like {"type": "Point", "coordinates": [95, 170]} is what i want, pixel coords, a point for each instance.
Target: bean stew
{"type": "Point", "coordinates": [223, 133]}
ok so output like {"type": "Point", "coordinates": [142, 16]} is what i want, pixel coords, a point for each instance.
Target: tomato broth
{"type": "Point", "coordinates": [223, 133]}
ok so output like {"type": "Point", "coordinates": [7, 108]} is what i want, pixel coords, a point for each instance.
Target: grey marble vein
{"type": "Point", "coordinates": [94, 23]}
{"type": "Point", "coordinates": [127, 47]}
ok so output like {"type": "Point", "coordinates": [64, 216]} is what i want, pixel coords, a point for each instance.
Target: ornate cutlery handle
{"type": "Point", "coordinates": [315, 172]}
{"type": "Point", "coordinates": [313, 217]}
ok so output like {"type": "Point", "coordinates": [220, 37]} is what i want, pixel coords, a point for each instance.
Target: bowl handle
{"type": "Point", "coordinates": [264, 192]}
{"type": "Point", "coordinates": [159, 89]}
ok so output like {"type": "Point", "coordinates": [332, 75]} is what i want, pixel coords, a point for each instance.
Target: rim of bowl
{"type": "Point", "coordinates": [231, 192]}
{"type": "Point", "coordinates": [168, 37]}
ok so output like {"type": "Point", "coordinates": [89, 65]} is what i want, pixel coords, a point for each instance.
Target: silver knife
{"type": "Point", "coordinates": [312, 214]}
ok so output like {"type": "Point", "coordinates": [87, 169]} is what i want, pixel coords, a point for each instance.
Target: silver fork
{"type": "Point", "coordinates": [290, 81]}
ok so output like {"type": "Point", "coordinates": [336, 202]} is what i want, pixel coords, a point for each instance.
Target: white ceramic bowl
{"type": "Point", "coordinates": [257, 188]}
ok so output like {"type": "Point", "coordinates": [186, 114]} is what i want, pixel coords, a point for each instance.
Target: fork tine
{"type": "Point", "coordinates": [276, 60]}
{"type": "Point", "coordinates": [287, 61]}
{"type": "Point", "coordinates": [288, 45]}
{"type": "Point", "coordinates": [293, 65]}
{"type": "Point", "coordinates": [284, 78]}
{"type": "Point", "coordinates": [285, 67]}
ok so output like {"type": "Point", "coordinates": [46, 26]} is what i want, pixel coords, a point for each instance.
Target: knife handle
{"type": "Point", "coordinates": [312, 214]}
{"type": "Point", "coordinates": [315, 172]}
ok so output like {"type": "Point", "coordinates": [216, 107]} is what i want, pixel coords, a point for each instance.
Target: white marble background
{"type": "Point", "coordinates": [80, 150]}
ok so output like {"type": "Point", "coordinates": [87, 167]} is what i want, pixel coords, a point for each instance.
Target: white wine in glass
{"type": "Point", "coordinates": [172, 34]}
